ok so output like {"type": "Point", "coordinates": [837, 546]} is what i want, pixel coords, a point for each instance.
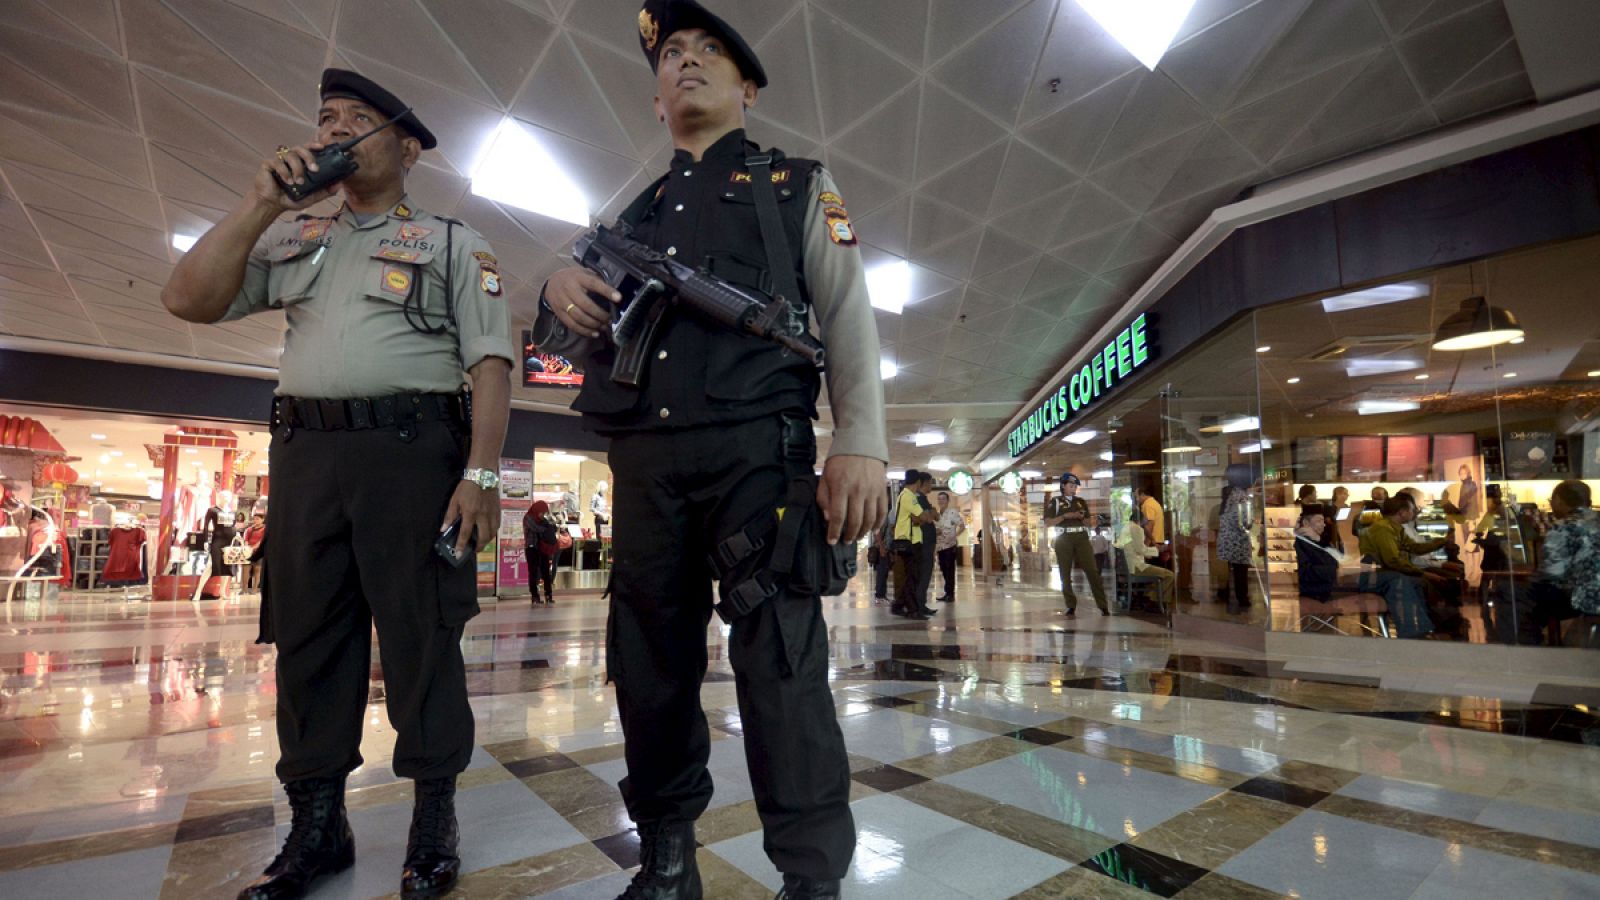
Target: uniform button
{"type": "Point", "coordinates": [678, 208]}
{"type": "Point", "coordinates": [661, 355]}
{"type": "Point", "coordinates": [664, 412]}
{"type": "Point", "coordinates": [786, 192]}
{"type": "Point", "coordinates": [672, 251]}
{"type": "Point", "coordinates": [687, 173]}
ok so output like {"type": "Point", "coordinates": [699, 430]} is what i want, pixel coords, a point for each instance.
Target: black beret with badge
{"type": "Point", "coordinates": [659, 19]}
{"type": "Point", "coordinates": [1069, 478]}
{"type": "Point", "coordinates": [354, 86]}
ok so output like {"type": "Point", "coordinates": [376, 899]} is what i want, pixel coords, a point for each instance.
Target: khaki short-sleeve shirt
{"type": "Point", "coordinates": [344, 289]}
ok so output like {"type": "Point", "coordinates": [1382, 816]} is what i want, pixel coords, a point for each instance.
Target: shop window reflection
{"type": "Point", "coordinates": [1359, 402]}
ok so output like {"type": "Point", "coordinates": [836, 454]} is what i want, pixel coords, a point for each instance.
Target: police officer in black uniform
{"type": "Point", "coordinates": [390, 310]}
{"type": "Point", "coordinates": [1072, 546]}
{"type": "Point", "coordinates": [713, 467]}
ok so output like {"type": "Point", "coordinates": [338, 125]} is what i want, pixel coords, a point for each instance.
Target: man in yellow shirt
{"type": "Point", "coordinates": [1398, 578]}
{"type": "Point", "coordinates": [1155, 518]}
{"type": "Point", "coordinates": [909, 517]}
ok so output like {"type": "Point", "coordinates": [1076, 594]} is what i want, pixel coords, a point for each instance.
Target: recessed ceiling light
{"type": "Point", "coordinates": [1516, 340]}
{"type": "Point", "coordinates": [1360, 368]}
{"type": "Point", "coordinates": [993, 464]}
{"type": "Point", "coordinates": [941, 464]}
{"type": "Point", "coordinates": [97, 437]}
{"type": "Point", "coordinates": [518, 171]}
{"type": "Point", "coordinates": [105, 458]}
{"type": "Point", "coordinates": [1105, 455]}
{"type": "Point", "coordinates": [116, 452]}
{"type": "Point", "coordinates": [887, 369]}
{"type": "Point", "coordinates": [131, 465]}
{"type": "Point", "coordinates": [1140, 462]}
{"type": "Point", "coordinates": [1294, 380]}
{"type": "Point", "coordinates": [889, 285]}
{"type": "Point", "coordinates": [1509, 375]}
{"type": "Point", "coordinates": [1243, 423]}
{"type": "Point", "coordinates": [1264, 348]}
{"type": "Point", "coordinates": [1031, 473]}
{"type": "Point", "coordinates": [1083, 436]}
{"type": "Point", "coordinates": [1103, 473]}
{"type": "Point", "coordinates": [1595, 374]}
{"type": "Point", "coordinates": [1376, 296]}
{"type": "Point", "coordinates": [1377, 407]}
{"type": "Point", "coordinates": [1423, 377]}
{"type": "Point", "coordinates": [928, 438]}
{"type": "Point", "coordinates": [1182, 448]}
{"type": "Point", "coordinates": [191, 450]}
{"type": "Point", "coordinates": [1144, 28]}
{"type": "Point", "coordinates": [896, 474]}
{"type": "Point", "coordinates": [184, 241]}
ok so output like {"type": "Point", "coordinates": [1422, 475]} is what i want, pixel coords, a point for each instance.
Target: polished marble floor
{"type": "Point", "coordinates": [999, 750]}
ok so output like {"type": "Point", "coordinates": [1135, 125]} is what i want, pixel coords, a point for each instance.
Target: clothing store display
{"type": "Point", "coordinates": [125, 562]}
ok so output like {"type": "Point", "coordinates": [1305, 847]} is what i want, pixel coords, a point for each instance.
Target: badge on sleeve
{"type": "Point", "coordinates": [489, 281]}
{"type": "Point", "coordinates": [396, 280]}
{"type": "Point", "coordinates": [840, 231]}
{"type": "Point", "coordinates": [485, 258]}
{"type": "Point", "coordinates": [411, 232]}
{"type": "Point", "coordinates": [399, 255]}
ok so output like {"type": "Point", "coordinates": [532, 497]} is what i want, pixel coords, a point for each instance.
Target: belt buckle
{"type": "Point", "coordinates": [333, 414]}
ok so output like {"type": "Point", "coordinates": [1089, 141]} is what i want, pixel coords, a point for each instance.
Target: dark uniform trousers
{"type": "Point", "coordinates": [679, 494]}
{"type": "Point", "coordinates": [354, 518]}
{"type": "Point", "coordinates": [1074, 547]}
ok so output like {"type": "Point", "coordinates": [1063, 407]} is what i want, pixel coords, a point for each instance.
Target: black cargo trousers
{"type": "Point", "coordinates": [680, 496]}
{"type": "Point", "coordinates": [355, 513]}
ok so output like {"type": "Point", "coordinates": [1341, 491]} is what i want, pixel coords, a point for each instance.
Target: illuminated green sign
{"type": "Point", "coordinates": [1010, 483]}
{"type": "Point", "coordinates": [960, 482]}
{"type": "Point", "coordinates": [1131, 349]}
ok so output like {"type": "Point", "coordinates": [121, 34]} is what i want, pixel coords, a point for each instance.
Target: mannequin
{"type": "Point", "coordinates": [599, 507]}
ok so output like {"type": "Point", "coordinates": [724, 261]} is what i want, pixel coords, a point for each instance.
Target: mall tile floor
{"type": "Point", "coordinates": [999, 750]}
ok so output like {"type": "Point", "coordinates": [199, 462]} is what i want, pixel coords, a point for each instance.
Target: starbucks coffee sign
{"type": "Point", "coordinates": [1130, 350]}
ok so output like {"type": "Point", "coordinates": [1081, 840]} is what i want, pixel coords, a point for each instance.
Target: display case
{"type": "Point", "coordinates": [1282, 568]}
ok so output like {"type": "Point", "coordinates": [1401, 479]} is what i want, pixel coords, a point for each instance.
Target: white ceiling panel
{"type": "Point", "coordinates": [1032, 171]}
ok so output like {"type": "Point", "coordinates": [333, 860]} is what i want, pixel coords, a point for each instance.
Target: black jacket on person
{"type": "Point", "coordinates": [1319, 569]}
{"type": "Point", "coordinates": [704, 215]}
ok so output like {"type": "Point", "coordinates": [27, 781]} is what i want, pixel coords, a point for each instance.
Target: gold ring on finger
{"type": "Point", "coordinates": [571, 307]}
{"type": "Point", "coordinates": [282, 151]}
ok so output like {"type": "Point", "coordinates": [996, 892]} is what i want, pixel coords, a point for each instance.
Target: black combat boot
{"type": "Point", "coordinates": [319, 842]}
{"type": "Point", "coordinates": [432, 864]}
{"type": "Point", "coordinates": [797, 888]}
{"type": "Point", "coordinates": [667, 867]}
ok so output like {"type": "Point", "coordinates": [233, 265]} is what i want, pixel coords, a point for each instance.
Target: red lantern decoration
{"type": "Point", "coordinates": [60, 474]}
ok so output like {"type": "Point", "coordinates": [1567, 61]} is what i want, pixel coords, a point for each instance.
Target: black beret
{"type": "Point", "coordinates": [659, 19]}
{"type": "Point", "coordinates": [345, 83]}
{"type": "Point", "coordinates": [1069, 478]}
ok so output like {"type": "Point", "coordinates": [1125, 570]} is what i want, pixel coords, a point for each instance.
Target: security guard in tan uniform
{"type": "Point", "coordinates": [376, 447]}
{"type": "Point", "coordinates": [1071, 512]}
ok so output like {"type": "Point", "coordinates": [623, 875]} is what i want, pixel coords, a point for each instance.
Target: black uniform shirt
{"type": "Point", "coordinates": [1059, 506]}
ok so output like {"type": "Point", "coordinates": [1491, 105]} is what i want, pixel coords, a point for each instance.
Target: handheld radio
{"type": "Point", "coordinates": [334, 164]}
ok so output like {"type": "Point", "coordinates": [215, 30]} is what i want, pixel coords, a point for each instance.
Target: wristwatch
{"type": "Point", "coordinates": [487, 479]}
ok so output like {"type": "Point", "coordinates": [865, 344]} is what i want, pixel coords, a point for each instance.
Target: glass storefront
{"type": "Point", "coordinates": [1326, 402]}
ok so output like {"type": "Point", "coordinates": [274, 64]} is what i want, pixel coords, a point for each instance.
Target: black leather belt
{"type": "Point", "coordinates": [361, 413]}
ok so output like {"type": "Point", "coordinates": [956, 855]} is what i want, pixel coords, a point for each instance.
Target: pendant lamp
{"type": "Point", "coordinates": [1476, 325]}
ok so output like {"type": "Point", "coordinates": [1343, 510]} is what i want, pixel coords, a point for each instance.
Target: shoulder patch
{"type": "Point", "coordinates": [484, 258]}
{"type": "Point", "coordinates": [489, 281]}
{"type": "Point", "coordinates": [840, 231]}
{"type": "Point", "coordinates": [404, 212]}
{"type": "Point", "coordinates": [829, 198]}
{"type": "Point", "coordinates": [312, 229]}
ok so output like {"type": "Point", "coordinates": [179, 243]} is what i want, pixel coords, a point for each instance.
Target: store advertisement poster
{"type": "Point", "coordinates": [1529, 455]}
{"type": "Point", "coordinates": [516, 480]}
{"type": "Point", "coordinates": [486, 569]}
{"type": "Point", "coordinates": [546, 369]}
{"type": "Point", "coordinates": [516, 495]}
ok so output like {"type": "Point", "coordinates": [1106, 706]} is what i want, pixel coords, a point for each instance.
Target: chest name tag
{"type": "Point", "coordinates": [779, 176]}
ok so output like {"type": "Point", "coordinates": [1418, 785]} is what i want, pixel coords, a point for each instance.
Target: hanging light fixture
{"type": "Point", "coordinates": [1477, 324]}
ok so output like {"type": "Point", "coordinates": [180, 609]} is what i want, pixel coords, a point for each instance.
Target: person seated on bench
{"type": "Point", "coordinates": [1135, 553]}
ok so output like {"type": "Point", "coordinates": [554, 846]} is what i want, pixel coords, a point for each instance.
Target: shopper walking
{"type": "Point", "coordinates": [541, 545]}
{"type": "Point", "coordinates": [1235, 526]}
{"type": "Point", "coordinates": [253, 535]}
{"type": "Point", "coordinates": [706, 452]}
{"type": "Point", "coordinates": [949, 528]}
{"type": "Point", "coordinates": [375, 450]}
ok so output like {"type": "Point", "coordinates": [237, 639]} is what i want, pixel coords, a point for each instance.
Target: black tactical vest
{"type": "Point", "coordinates": [703, 214]}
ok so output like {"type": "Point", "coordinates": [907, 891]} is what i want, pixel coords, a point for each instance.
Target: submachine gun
{"type": "Point", "coordinates": [651, 282]}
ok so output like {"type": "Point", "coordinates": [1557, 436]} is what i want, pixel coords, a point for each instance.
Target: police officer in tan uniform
{"type": "Point", "coordinates": [1072, 546]}
{"type": "Point", "coordinates": [376, 446]}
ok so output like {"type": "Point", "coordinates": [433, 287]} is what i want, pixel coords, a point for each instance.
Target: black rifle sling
{"type": "Point", "coordinates": [780, 266]}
